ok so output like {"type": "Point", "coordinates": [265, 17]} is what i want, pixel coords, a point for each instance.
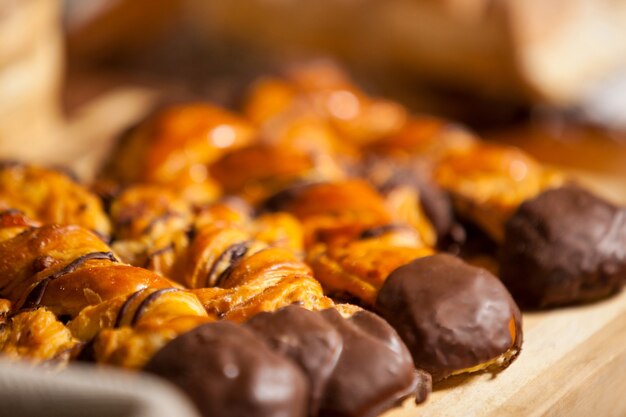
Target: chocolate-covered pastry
{"type": "Point", "coordinates": [564, 246]}
{"type": "Point", "coordinates": [227, 371]}
{"type": "Point", "coordinates": [306, 338]}
{"type": "Point", "coordinates": [333, 350]}
{"type": "Point", "coordinates": [388, 378]}
{"type": "Point", "coordinates": [454, 318]}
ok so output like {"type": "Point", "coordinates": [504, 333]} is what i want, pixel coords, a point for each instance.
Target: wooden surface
{"type": "Point", "coordinates": [573, 361]}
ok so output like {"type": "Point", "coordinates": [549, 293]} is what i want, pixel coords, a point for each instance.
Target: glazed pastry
{"type": "Point", "coordinates": [260, 170]}
{"type": "Point", "coordinates": [411, 195]}
{"type": "Point", "coordinates": [352, 241]}
{"type": "Point", "coordinates": [37, 335]}
{"type": "Point", "coordinates": [488, 182]}
{"type": "Point", "coordinates": [333, 213]}
{"type": "Point", "coordinates": [314, 359]}
{"type": "Point", "coordinates": [324, 91]}
{"type": "Point", "coordinates": [150, 226]}
{"type": "Point", "coordinates": [362, 265]}
{"type": "Point", "coordinates": [50, 196]}
{"type": "Point", "coordinates": [564, 246]}
{"type": "Point", "coordinates": [174, 146]}
{"type": "Point", "coordinates": [454, 318]}
{"type": "Point", "coordinates": [155, 228]}
{"type": "Point", "coordinates": [330, 349]}
{"type": "Point", "coordinates": [74, 275]}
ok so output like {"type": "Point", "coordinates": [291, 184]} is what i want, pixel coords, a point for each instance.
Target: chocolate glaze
{"type": "Point", "coordinates": [233, 253]}
{"type": "Point", "coordinates": [378, 231]}
{"type": "Point", "coordinates": [124, 308]}
{"type": "Point", "coordinates": [281, 200]}
{"type": "Point", "coordinates": [228, 372]}
{"type": "Point", "coordinates": [564, 246]}
{"type": "Point", "coordinates": [35, 295]}
{"type": "Point", "coordinates": [145, 303]}
{"type": "Point", "coordinates": [306, 338]}
{"type": "Point", "coordinates": [467, 241]}
{"type": "Point", "coordinates": [374, 371]}
{"type": "Point", "coordinates": [452, 316]}
{"type": "Point", "coordinates": [435, 201]}
{"type": "Point", "coordinates": [356, 366]}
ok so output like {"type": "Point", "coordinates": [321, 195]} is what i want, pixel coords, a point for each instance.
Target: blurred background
{"type": "Point", "coordinates": [549, 76]}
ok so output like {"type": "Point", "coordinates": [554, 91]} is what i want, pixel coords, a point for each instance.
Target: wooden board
{"type": "Point", "coordinates": [573, 361]}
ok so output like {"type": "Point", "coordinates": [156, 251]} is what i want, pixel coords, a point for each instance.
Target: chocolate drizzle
{"type": "Point", "coordinates": [124, 308]}
{"type": "Point", "coordinates": [232, 255]}
{"type": "Point", "coordinates": [378, 231]}
{"type": "Point", "coordinates": [141, 309]}
{"type": "Point", "coordinates": [35, 295]}
{"type": "Point", "coordinates": [158, 252]}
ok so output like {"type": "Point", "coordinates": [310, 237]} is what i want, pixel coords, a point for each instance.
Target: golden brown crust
{"type": "Point", "coordinates": [39, 253]}
{"type": "Point", "coordinates": [175, 145]}
{"type": "Point", "coordinates": [50, 197]}
{"type": "Point", "coordinates": [258, 171]}
{"type": "Point", "coordinates": [37, 336]}
{"type": "Point", "coordinates": [361, 267]}
{"type": "Point", "coordinates": [326, 92]}
{"type": "Point", "coordinates": [264, 281]}
{"type": "Point", "coordinates": [133, 347]}
{"type": "Point", "coordinates": [488, 182]}
{"type": "Point", "coordinates": [338, 212]}
{"type": "Point", "coordinates": [147, 305]}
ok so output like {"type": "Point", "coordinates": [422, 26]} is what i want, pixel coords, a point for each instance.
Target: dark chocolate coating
{"type": "Point", "coordinates": [306, 338]}
{"type": "Point", "coordinates": [356, 366]}
{"type": "Point", "coordinates": [452, 316]}
{"type": "Point", "coordinates": [228, 372]}
{"type": "Point", "coordinates": [143, 306]}
{"type": "Point", "coordinates": [232, 254]}
{"type": "Point", "coordinates": [564, 246]}
{"type": "Point", "coordinates": [374, 371]}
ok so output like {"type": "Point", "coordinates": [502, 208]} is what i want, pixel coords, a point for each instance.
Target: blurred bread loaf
{"type": "Point", "coordinates": [535, 50]}
{"type": "Point", "coordinates": [30, 76]}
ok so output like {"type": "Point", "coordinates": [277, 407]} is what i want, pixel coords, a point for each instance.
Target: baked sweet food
{"type": "Point", "coordinates": [453, 317]}
{"type": "Point", "coordinates": [564, 246]}
{"type": "Point", "coordinates": [312, 221]}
